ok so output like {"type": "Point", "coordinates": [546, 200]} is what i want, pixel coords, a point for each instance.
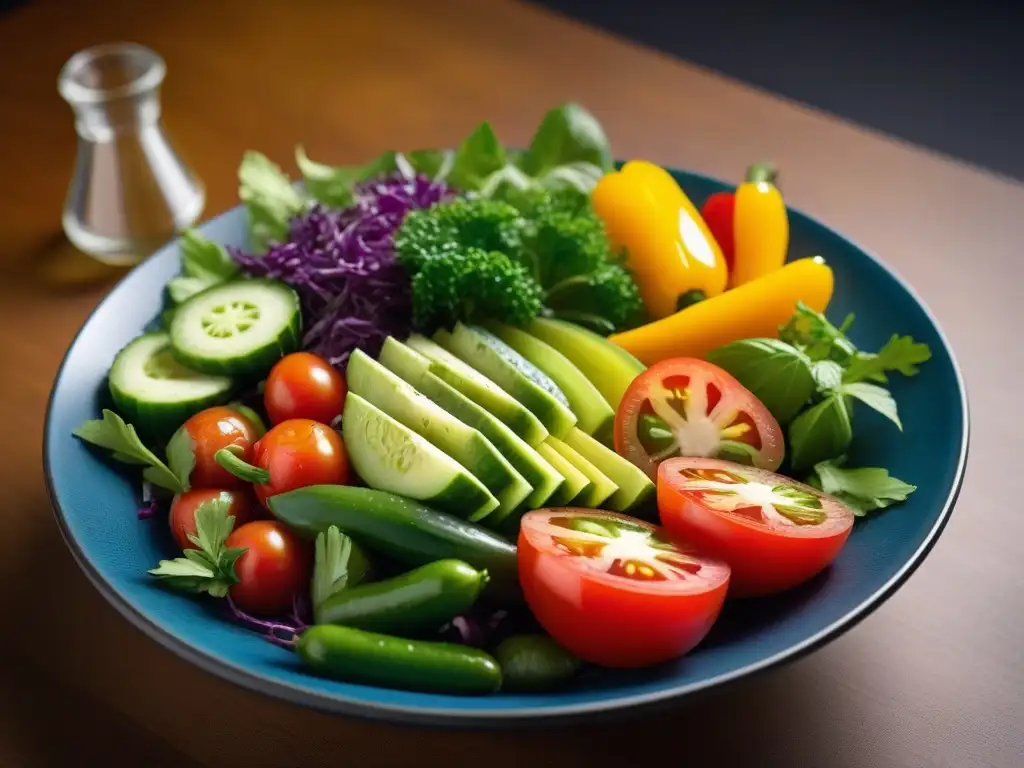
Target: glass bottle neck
{"type": "Point", "coordinates": [113, 89]}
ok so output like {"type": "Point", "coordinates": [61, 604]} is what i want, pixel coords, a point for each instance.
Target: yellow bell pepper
{"type": "Point", "coordinates": [753, 310]}
{"type": "Point", "coordinates": [760, 226]}
{"type": "Point", "coordinates": [669, 249]}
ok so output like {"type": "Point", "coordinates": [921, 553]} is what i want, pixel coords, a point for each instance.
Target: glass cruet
{"type": "Point", "coordinates": [130, 192]}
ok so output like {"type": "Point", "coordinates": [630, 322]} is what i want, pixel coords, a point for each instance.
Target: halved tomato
{"type": "Point", "coordinates": [774, 532]}
{"type": "Point", "coordinates": [614, 590]}
{"type": "Point", "coordinates": [689, 407]}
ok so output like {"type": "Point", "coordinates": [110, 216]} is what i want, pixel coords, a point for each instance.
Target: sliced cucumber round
{"type": "Point", "coordinates": [155, 392]}
{"type": "Point", "coordinates": [239, 328]}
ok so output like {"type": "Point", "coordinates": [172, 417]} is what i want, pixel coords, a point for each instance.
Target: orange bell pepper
{"type": "Point", "coordinates": [670, 251]}
{"type": "Point", "coordinates": [753, 310]}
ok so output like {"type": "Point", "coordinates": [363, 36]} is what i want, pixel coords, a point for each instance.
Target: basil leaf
{"type": "Point", "coordinates": [271, 202]}
{"type": "Point", "coordinates": [875, 397]}
{"type": "Point", "coordinates": [822, 432]}
{"type": "Point", "coordinates": [778, 374]}
{"type": "Point", "coordinates": [567, 134]}
{"type": "Point", "coordinates": [480, 155]}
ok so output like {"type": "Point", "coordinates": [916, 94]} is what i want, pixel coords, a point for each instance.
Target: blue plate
{"type": "Point", "coordinates": [95, 507]}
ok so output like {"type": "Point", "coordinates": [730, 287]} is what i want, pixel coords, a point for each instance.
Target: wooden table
{"type": "Point", "coordinates": [935, 677]}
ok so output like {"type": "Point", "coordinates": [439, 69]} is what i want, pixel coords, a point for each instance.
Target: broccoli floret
{"type": "Point", "coordinates": [477, 259]}
{"type": "Point", "coordinates": [535, 201]}
{"type": "Point", "coordinates": [490, 225]}
{"type": "Point", "coordinates": [427, 234]}
{"type": "Point", "coordinates": [471, 285]}
{"type": "Point", "coordinates": [570, 255]}
{"type": "Point", "coordinates": [561, 246]}
{"type": "Point", "coordinates": [422, 237]}
{"type": "Point", "coordinates": [605, 300]}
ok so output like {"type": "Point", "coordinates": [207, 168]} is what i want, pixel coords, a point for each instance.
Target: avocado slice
{"type": "Point", "coordinates": [541, 479]}
{"type": "Point", "coordinates": [594, 415]}
{"type": "Point", "coordinates": [402, 402]}
{"type": "Point", "coordinates": [389, 456]}
{"type": "Point", "coordinates": [635, 488]}
{"type": "Point", "coordinates": [608, 366]}
{"type": "Point", "coordinates": [575, 481]}
{"type": "Point", "coordinates": [601, 486]}
{"type": "Point", "coordinates": [478, 388]}
{"type": "Point", "coordinates": [514, 373]}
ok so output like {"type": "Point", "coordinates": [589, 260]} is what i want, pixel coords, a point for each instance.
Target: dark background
{"type": "Point", "coordinates": [946, 75]}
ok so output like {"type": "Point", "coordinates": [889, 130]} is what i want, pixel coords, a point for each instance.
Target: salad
{"type": "Point", "coordinates": [455, 419]}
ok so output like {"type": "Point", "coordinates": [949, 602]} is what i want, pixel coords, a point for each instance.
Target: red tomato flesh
{"type": "Point", "coordinates": [614, 590]}
{"type": "Point", "coordinates": [211, 430]}
{"type": "Point", "coordinates": [274, 569]}
{"type": "Point", "coordinates": [774, 532]}
{"type": "Point", "coordinates": [182, 516]}
{"type": "Point", "coordinates": [297, 453]}
{"type": "Point", "coordinates": [689, 407]}
{"type": "Point", "coordinates": [304, 386]}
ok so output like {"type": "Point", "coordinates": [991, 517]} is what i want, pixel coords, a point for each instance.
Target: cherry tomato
{"type": "Point", "coordinates": [274, 569]}
{"type": "Point", "coordinates": [211, 430]}
{"type": "Point", "coordinates": [304, 386]}
{"type": "Point", "coordinates": [183, 510]}
{"type": "Point", "coordinates": [774, 532]}
{"type": "Point", "coordinates": [689, 407]}
{"type": "Point", "coordinates": [297, 453]}
{"type": "Point", "coordinates": [614, 590]}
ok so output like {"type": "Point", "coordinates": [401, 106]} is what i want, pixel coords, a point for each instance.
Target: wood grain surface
{"type": "Point", "coordinates": [933, 678]}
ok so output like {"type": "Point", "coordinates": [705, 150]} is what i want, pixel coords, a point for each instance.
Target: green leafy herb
{"type": "Point", "coordinates": [778, 374]}
{"type": "Point", "coordinates": [823, 431]}
{"type": "Point", "coordinates": [112, 433]}
{"type": "Point", "coordinates": [863, 489]}
{"type": "Point", "coordinates": [579, 175]}
{"type": "Point", "coordinates": [811, 332]}
{"type": "Point", "coordinates": [567, 135]}
{"type": "Point", "coordinates": [334, 185]}
{"type": "Point", "coordinates": [901, 354]}
{"type": "Point", "coordinates": [181, 456]}
{"type": "Point", "coordinates": [827, 374]}
{"type": "Point", "coordinates": [204, 263]}
{"type": "Point", "coordinates": [842, 374]}
{"type": "Point", "coordinates": [211, 568]}
{"type": "Point", "coordinates": [271, 201]}
{"type": "Point", "coordinates": [331, 185]}
{"type": "Point", "coordinates": [435, 164]}
{"type": "Point", "coordinates": [875, 397]}
{"type": "Point", "coordinates": [480, 155]}
{"type": "Point", "coordinates": [330, 572]}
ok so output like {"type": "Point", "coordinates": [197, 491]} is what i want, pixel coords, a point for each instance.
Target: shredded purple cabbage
{"type": "Point", "coordinates": [282, 631]}
{"type": "Point", "coordinates": [150, 505]}
{"type": "Point", "coordinates": [342, 264]}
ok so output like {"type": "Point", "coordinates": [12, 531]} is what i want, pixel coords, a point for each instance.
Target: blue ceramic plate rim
{"type": "Point", "coordinates": [533, 716]}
